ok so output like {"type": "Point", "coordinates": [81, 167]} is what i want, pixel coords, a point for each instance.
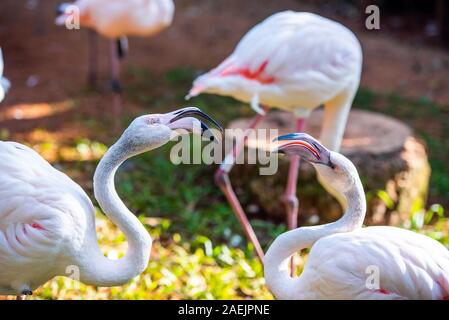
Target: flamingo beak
{"type": "Point", "coordinates": [305, 146]}
{"type": "Point", "coordinates": [180, 117]}
{"type": "Point", "coordinates": [196, 90]}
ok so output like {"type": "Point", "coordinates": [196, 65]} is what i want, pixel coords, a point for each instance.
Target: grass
{"type": "Point", "coordinates": [199, 251]}
{"type": "Point", "coordinates": [178, 269]}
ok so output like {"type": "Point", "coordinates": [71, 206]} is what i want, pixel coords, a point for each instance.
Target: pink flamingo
{"type": "Point", "coordinates": [347, 261]}
{"type": "Point", "coordinates": [294, 61]}
{"type": "Point", "coordinates": [47, 222]}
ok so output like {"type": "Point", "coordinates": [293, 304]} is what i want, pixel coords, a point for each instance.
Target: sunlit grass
{"type": "Point", "coordinates": [178, 269]}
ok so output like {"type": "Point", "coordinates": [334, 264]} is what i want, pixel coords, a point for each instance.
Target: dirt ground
{"type": "Point", "coordinates": [47, 64]}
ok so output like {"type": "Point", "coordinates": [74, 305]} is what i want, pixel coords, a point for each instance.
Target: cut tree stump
{"type": "Point", "coordinates": [392, 164]}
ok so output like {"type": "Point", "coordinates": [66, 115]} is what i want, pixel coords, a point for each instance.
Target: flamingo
{"type": "Point", "coordinates": [295, 61]}
{"type": "Point", "coordinates": [4, 83]}
{"type": "Point", "coordinates": [343, 255]}
{"type": "Point", "coordinates": [115, 20]}
{"type": "Point", "coordinates": [47, 222]}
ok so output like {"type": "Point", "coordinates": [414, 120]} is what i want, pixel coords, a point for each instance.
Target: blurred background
{"type": "Point", "coordinates": [200, 251]}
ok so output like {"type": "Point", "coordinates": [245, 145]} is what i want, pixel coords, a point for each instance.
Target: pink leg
{"type": "Point", "coordinates": [290, 198]}
{"type": "Point", "coordinates": [223, 181]}
{"type": "Point", "coordinates": [115, 82]}
{"type": "Point", "coordinates": [92, 71]}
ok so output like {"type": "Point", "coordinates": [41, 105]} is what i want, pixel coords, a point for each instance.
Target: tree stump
{"type": "Point", "coordinates": [392, 164]}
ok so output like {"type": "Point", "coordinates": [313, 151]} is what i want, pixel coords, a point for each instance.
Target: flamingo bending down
{"type": "Point", "coordinates": [294, 61]}
{"type": "Point", "coordinates": [4, 83]}
{"type": "Point", "coordinates": [402, 264]}
{"type": "Point", "coordinates": [47, 222]}
{"type": "Point", "coordinates": [115, 20]}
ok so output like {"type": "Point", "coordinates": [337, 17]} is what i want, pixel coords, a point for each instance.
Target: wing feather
{"type": "Point", "coordinates": [410, 265]}
{"type": "Point", "coordinates": [42, 212]}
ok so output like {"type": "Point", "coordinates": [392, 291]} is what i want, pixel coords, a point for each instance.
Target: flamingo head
{"type": "Point", "coordinates": [331, 166]}
{"type": "Point", "coordinates": [211, 83]}
{"type": "Point", "coordinates": [151, 131]}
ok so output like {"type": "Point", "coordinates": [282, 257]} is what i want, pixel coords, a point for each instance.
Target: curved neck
{"type": "Point", "coordinates": [276, 261]}
{"type": "Point", "coordinates": [97, 269]}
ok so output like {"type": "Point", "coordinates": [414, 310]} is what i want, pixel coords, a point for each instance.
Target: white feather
{"type": "Point", "coordinates": [310, 58]}
{"type": "Point", "coordinates": [117, 18]}
{"type": "Point", "coordinates": [32, 192]}
{"type": "Point", "coordinates": [410, 265]}
{"type": "Point", "coordinates": [350, 262]}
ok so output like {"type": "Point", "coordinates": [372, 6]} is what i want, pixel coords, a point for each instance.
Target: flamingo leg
{"type": "Point", "coordinates": [92, 72]}
{"type": "Point", "coordinates": [223, 181]}
{"type": "Point", "coordinates": [115, 83]}
{"type": "Point", "coordinates": [290, 199]}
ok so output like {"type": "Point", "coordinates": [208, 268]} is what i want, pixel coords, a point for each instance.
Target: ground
{"type": "Point", "coordinates": [51, 108]}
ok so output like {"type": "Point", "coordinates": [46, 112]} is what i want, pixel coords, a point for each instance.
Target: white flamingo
{"type": "Point", "coordinates": [345, 260]}
{"type": "Point", "coordinates": [4, 83]}
{"type": "Point", "coordinates": [116, 20]}
{"type": "Point", "coordinates": [47, 222]}
{"type": "Point", "coordinates": [295, 61]}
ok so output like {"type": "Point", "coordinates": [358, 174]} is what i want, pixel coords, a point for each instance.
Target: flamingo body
{"type": "Point", "coordinates": [292, 60]}
{"type": "Point", "coordinates": [410, 265]}
{"type": "Point", "coordinates": [118, 18]}
{"type": "Point", "coordinates": [46, 220]}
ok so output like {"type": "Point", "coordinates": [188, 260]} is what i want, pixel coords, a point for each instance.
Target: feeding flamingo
{"type": "Point", "coordinates": [4, 83]}
{"type": "Point", "coordinates": [115, 20]}
{"type": "Point", "coordinates": [294, 61]}
{"type": "Point", "coordinates": [47, 222]}
{"type": "Point", "coordinates": [343, 255]}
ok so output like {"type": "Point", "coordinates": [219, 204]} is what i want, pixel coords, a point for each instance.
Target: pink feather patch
{"type": "Point", "coordinates": [248, 74]}
{"type": "Point", "coordinates": [37, 226]}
